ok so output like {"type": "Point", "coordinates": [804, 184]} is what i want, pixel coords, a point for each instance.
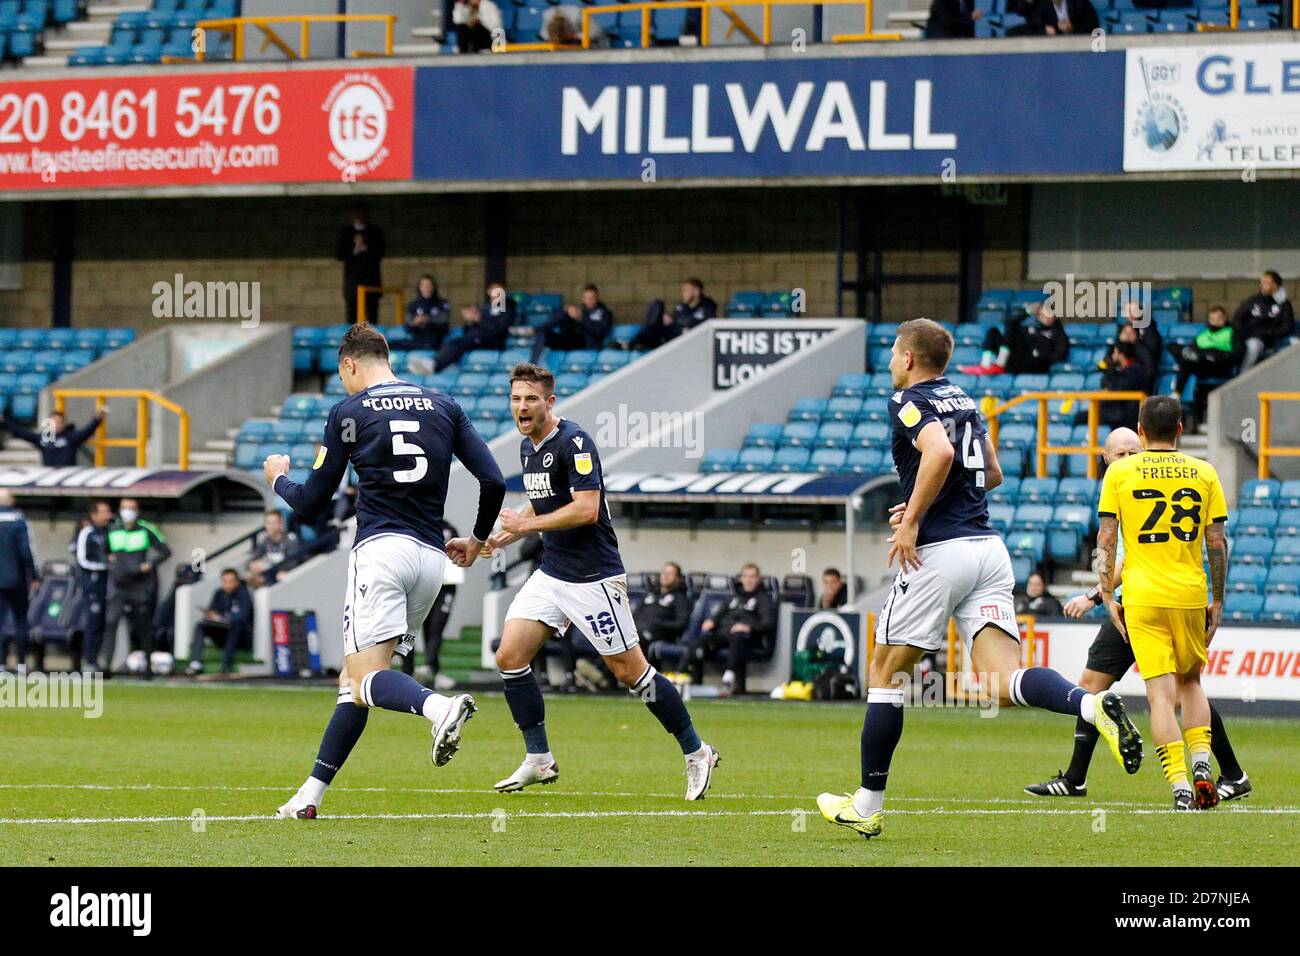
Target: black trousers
{"type": "Point", "coordinates": [372, 304]}
{"type": "Point", "coordinates": [13, 604]}
{"type": "Point", "coordinates": [563, 335]}
{"type": "Point", "coordinates": [703, 646]}
{"type": "Point", "coordinates": [223, 635]}
{"type": "Point", "coordinates": [92, 629]}
{"type": "Point", "coordinates": [472, 38]}
{"type": "Point", "coordinates": [137, 605]}
{"type": "Point", "coordinates": [1012, 335]}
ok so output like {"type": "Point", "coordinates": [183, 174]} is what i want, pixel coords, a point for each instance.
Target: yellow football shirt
{"type": "Point", "coordinates": [1163, 500]}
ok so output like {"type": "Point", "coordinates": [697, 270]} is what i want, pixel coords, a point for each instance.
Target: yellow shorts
{"type": "Point", "coordinates": [1166, 640]}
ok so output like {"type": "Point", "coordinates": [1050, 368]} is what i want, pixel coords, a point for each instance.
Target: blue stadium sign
{"type": "Point", "coordinates": [835, 117]}
{"type": "Point", "coordinates": [807, 488]}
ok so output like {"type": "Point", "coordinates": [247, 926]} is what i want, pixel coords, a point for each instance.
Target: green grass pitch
{"type": "Point", "coordinates": [122, 789]}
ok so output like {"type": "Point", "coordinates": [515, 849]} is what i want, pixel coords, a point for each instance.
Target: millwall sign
{"type": "Point", "coordinates": [852, 114]}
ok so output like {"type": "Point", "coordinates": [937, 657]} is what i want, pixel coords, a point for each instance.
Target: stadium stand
{"type": "Point", "coordinates": [37, 357]}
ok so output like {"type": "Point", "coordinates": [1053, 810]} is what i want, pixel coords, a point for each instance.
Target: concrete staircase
{"type": "Point", "coordinates": [61, 42]}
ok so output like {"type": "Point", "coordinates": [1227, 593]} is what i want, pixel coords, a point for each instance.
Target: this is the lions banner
{"type": "Point", "coordinates": [210, 128]}
{"type": "Point", "coordinates": [1226, 107]}
{"type": "Point", "coordinates": [801, 116]}
{"type": "Point", "coordinates": [740, 354]}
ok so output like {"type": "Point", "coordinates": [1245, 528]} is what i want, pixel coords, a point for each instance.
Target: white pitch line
{"type": "Point", "coordinates": [456, 791]}
{"type": "Point", "coordinates": [588, 814]}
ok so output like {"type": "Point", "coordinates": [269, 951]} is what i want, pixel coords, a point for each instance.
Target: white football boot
{"type": "Point", "coordinates": [528, 774]}
{"type": "Point", "coordinates": [446, 732]}
{"type": "Point", "coordinates": [699, 772]}
{"type": "Point", "coordinates": [299, 807]}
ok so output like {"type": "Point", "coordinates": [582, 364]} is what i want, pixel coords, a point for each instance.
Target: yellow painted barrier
{"type": "Point", "coordinates": [993, 410]}
{"type": "Point", "coordinates": [140, 441]}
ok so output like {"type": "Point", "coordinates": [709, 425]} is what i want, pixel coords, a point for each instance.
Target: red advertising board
{"type": "Point", "coordinates": [207, 128]}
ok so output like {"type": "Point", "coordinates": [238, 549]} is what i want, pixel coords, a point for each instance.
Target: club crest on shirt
{"type": "Point", "coordinates": [909, 414]}
{"type": "Point", "coordinates": [582, 463]}
{"type": "Point", "coordinates": [548, 460]}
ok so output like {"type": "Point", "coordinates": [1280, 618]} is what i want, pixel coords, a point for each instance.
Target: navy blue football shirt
{"type": "Point", "coordinates": [960, 510]}
{"type": "Point", "coordinates": [400, 439]}
{"type": "Point", "coordinates": [567, 461]}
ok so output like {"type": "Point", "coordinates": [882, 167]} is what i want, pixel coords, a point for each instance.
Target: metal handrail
{"type": "Point", "coordinates": [236, 27]}
{"type": "Point", "coordinates": [992, 410]}
{"type": "Point", "coordinates": [140, 442]}
{"type": "Point", "coordinates": [1266, 449]}
{"type": "Point", "coordinates": [399, 299]}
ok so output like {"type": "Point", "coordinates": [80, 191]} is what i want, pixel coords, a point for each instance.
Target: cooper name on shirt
{"type": "Point", "coordinates": [398, 404]}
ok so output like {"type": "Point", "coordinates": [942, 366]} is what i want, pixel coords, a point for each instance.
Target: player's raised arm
{"type": "Point", "coordinates": [936, 458]}
{"type": "Point", "coordinates": [313, 496]}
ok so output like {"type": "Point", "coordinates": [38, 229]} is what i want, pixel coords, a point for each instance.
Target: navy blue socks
{"type": "Point", "coordinates": [668, 707]}
{"type": "Point", "coordinates": [527, 707]}
{"type": "Point", "coordinates": [1045, 688]}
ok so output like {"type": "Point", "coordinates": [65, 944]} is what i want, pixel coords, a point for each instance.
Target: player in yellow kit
{"type": "Point", "coordinates": [1170, 508]}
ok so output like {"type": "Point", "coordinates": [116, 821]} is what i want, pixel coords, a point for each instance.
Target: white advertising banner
{"type": "Point", "coordinates": [1246, 663]}
{"type": "Point", "coordinates": [1203, 108]}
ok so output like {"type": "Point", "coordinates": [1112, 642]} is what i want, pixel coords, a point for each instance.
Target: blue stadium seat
{"type": "Point", "coordinates": [1017, 437]}
{"type": "Point", "coordinates": [1078, 516]}
{"type": "Point", "coordinates": [1032, 517]}
{"type": "Point", "coordinates": [834, 435]}
{"type": "Point", "coordinates": [570, 384]}
{"type": "Point", "coordinates": [842, 408]}
{"type": "Point", "coordinates": [808, 409]}
{"type": "Point", "coordinates": [1038, 490]}
{"type": "Point", "coordinates": [1252, 548]}
{"type": "Point", "coordinates": [1247, 578]}
{"type": "Point", "coordinates": [851, 384]}
{"type": "Point", "coordinates": [1253, 521]}
{"type": "Point", "coordinates": [827, 460]}
{"type": "Point", "coordinates": [1001, 516]}
{"type": "Point", "coordinates": [755, 459]}
{"type": "Point", "coordinates": [763, 435]}
{"type": "Point", "coordinates": [798, 434]}
{"type": "Point", "coordinates": [480, 360]}
{"type": "Point", "coordinates": [1006, 493]}
{"type": "Point", "coordinates": [864, 461]}
{"type": "Point", "coordinates": [969, 333]}
{"type": "Point", "coordinates": [1242, 607]}
{"type": "Point", "coordinates": [1287, 551]}
{"type": "Point", "coordinates": [1077, 491]}
{"type": "Point", "coordinates": [790, 459]}
{"type": "Point", "coordinates": [607, 360]}
{"type": "Point", "coordinates": [1288, 522]}
{"type": "Point", "coordinates": [870, 434]}
{"type": "Point", "coordinates": [1284, 579]}
{"type": "Point", "coordinates": [1031, 544]}
{"type": "Point", "coordinates": [1063, 544]}
{"type": "Point", "coordinates": [1281, 607]}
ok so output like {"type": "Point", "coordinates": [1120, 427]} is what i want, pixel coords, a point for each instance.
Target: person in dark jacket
{"type": "Point", "coordinates": [1032, 342]}
{"type": "Point", "coordinates": [951, 19]}
{"type": "Point", "coordinates": [1060, 17]}
{"type": "Point", "coordinates": [91, 550]}
{"type": "Point", "coordinates": [135, 549]}
{"type": "Point", "coordinates": [19, 578]}
{"type": "Point", "coordinates": [1264, 319]}
{"type": "Point", "coordinates": [584, 326]}
{"type": "Point", "coordinates": [661, 326]}
{"type": "Point", "coordinates": [1123, 371]}
{"type": "Point", "coordinates": [1137, 327]}
{"type": "Point", "coordinates": [486, 327]}
{"type": "Point", "coordinates": [58, 440]}
{"type": "Point", "coordinates": [360, 246]}
{"type": "Point", "coordinates": [228, 621]}
{"type": "Point", "coordinates": [743, 625]}
{"type": "Point", "coordinates": [664, 611]}
{"type": "Point", "coordinates": [1037, 600]}
{"type": "Point", "coordinates": [1215, 354]}
{"type": "Point", "coordinates": [277, 550]}
{"type": "Point", "coordinates": [428, 317]}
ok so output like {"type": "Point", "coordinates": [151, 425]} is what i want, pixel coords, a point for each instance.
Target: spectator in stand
{"type": "Point", "coordinates": [228, 621]}
{"type": "Point", "coordinates": [1067, 16]}
{"type": "Point", "coordinates": [1123, 371]}
{"type": "Point", "coordinates": [58, 440]}
{"type": "Point", "coordinates": [563, 25]}
{"type": "Point", "coordinates": [661, 326]}
{"type": "Point", "coordinates": [135, 549]}
{"type": "Point", "coordinates": [91, 550]}
{"type": "Point", "coordinates": [950, 19]}
{"type": "Point", "coordinates": [745, 623]}
{"type": "Point", "coordinates": [475, 22]}
{"type": "Point", "coordinates": [1215, 354]}
{"type": "Point", "coordinates": [276, 551]}
{"type": "Point", "coordinates": [360, 247]}
{"type": "Point", "coordinates": [834, 593]}
{"type": "Point", "coordinates": [1145, 334]}
{"type": "Point", "coordinates": [1032, 342]}
{"type": "Point", "coordinates": [428, 317]}
{"type": "Point", "coordinates": [486, 327]}
{"type": "Point", "coordinates": [1264, 319]}
{"type": "Point", "coordinates": [19, 578]}
{"type": "Point", "coordinates": [584, 326]}
{"type": "Point", "coordinates": [1036, 600]}
{"type": "Point", "coordinates": [664, 612]}
{"type": "Point", "coordinates": [1028, 9]}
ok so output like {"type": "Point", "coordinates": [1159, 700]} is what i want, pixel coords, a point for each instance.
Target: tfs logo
{"type": "Point", "coordinates": [358, 107]}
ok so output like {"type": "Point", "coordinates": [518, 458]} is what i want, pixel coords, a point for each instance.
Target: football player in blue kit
{"type": "Point", "coordinates": [954, 565]}
{"type": "Point", "coordinates": [400, 439]}
{"type": "Point", "coordinates": [581, 581]}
